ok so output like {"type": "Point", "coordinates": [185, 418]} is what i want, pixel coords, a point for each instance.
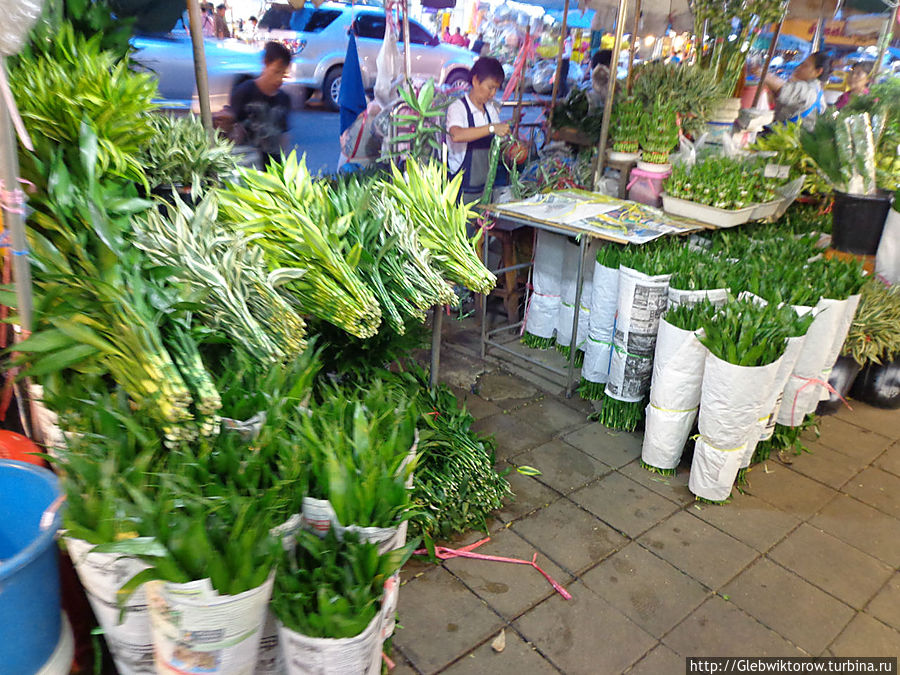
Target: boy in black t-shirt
{"type": "Point", "coordinates": [261, 108]}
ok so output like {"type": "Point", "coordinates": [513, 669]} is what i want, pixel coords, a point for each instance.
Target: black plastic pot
{"type": "Point", "coordinates": [879, 385]}
{"type": "Point", "coordinates": [843, 375]}
{"type": "Point", "coordinates": [857, 221]}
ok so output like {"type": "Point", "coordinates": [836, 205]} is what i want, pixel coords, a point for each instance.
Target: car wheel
{"type": "Point", "coordinates": [331, 88]}
{"type": "Point", "coordinates": [456, 77]}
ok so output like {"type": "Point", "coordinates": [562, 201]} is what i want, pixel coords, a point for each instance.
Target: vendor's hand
{"type": "Point", "coordinates": [501, 129]}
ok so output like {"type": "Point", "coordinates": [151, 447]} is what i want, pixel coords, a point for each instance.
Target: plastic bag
{"type": "Point", "coordinates": [604, 297]}
{"type": "Point", "coordinates": [887, 260]}
{"type": "Point", "coordinates": [389, 67]}
{"type": "Point", "coordinates": [543, 305]}
{"type": "Point", "coordinates": [879, 385]}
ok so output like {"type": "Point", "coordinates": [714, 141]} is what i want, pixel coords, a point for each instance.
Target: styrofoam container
{"type": "Point", "coordinates": [650, 167]}
{"type": "Point", "coordinates": [766, 209]}
{"type": "Point", "coordinates": [706, 214]}
{"type": "Point", "coordinates": [615, 156]}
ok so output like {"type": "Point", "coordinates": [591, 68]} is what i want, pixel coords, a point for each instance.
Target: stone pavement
{"type": "Point", "coordinates": [803, 562]}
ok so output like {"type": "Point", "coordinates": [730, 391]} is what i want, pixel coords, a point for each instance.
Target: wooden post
{"type": "Point", "coordinates": [196, 27]}
{"type": "Point", "coordinates": [610, 93]}
{"type": "Point", "coordinates": [559, 60]}
{"type": "Point", "coordinates": [634, 33]}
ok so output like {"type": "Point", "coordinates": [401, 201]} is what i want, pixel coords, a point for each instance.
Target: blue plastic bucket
{"type": "Point", "coordinates": [29, 574]}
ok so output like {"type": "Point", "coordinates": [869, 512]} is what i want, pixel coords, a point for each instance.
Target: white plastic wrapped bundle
{"type": "Point", "coordinates": [568, 289]}
{"type": "Point", "coordinates": [732, 398]}
{"type": "Point", "coordinates": [543, 306]}
{"type": "Point", "coordinates": [584, 314]}
{"type": "Point", "coordinates": [674, 395]}
{"type": "Point", "coordinates": [840, 335]}
{"type": "Point", "coordinates": [642, 299]}
{"type": "Point", "coordinates": [803, 390]}
{"type": "Point", "coordinates": [604, 298]}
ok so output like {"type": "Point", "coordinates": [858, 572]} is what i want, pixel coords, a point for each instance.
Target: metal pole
{"type": "Point", "coordinates": [437, 322]}
{"type": "Point", "coordinates": [886, 40]}
{"type": "Point", "coordinates": [771, 53]}
{"type": "Point", "coordinates": [407, 57]}
{"type": "Point", "coordinates": [196, 27]}
{"type": "Point", "coordinates": [517, 115]}
{"type": "Point", "coordinates": [611, 92]}
{"type": "Point", "coordinates": [13, 221]}
{"type": "Point", "coordinates": [559, 60]}
{"type": "Point", "coordinates": [634, 41]}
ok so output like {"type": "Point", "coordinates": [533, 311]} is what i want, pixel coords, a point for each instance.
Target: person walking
{"type": "Point", "coordinates": [568, 44]}
{"type": "Point", "coordinates": [222, 30]}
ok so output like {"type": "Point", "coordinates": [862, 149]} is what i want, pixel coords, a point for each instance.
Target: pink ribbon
{"type": "Point", "coordinates": [813, 380]}
{"type": "Point", "coordinates": [444, 553]}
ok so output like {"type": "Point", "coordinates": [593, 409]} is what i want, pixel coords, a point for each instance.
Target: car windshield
{"type": "Point", "coordinates": [370, 25]}
{"type": "Point", "coordinates": [320, 20]}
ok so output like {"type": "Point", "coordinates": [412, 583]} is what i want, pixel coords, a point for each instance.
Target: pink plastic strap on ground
{"type": "Point", "coordinates": [813, 380]}
{"type": "Point", "coordinates": [387, 661]}
{"type": "Point", "coordinates": [444, 553]}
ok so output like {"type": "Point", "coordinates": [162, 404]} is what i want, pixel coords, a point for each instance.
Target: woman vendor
{"type": "Point", "coordinates": [472, 122]}
{"type": "Point", "coordinates": [801, 98]}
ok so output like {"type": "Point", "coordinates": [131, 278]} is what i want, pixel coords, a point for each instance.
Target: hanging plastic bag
{"type": "Point", "coordinates": [887, 259]}
{"type": "Point", "coordinates": [642, 299]}
{"type": "Point", "coordinates": [731, 401]}
{"type": "Point", "coordinates": [543, 305]}
{"type": "Point", "coordinates": [388, 64]}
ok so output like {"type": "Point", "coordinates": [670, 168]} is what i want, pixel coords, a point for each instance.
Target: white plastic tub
{"type": "Point", "coordinates": [706, 214]}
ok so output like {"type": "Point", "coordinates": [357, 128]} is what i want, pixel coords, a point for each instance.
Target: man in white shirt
{"type": "Point", "coordinates": [472, 122]}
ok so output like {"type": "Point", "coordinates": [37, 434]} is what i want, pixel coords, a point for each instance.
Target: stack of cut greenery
{"type": "Point", "coordinates": [723, 183]}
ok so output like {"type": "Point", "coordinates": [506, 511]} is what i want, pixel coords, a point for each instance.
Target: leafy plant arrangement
{"type": "Point", "coordinates": [659, 132]}
{"type": "Point", "coordinates": [874, 335]}
{"type": "Point", "coordinates": [883, 100]}
{"type": "Point", "coordinates": [327, 587]}
{"type": "Point", "coordinates": [697, 271]}
{"type": "Point", "coordinates": [419, 123]}
{"type": "Point", "coordinates": [75, 82]}
{"type": "Point", "coordinates": [785, 439]}
{"type": "Point", "coordinates": [575, 112]}
{"type": "Point", "coordinates": [182, 155]}
{"type": "Point", "coordinates": [274, 207]}
{"type": "Point", "coordinates": [357, 442]}
{"type": "Point", "coordinates": [784, 139]}
{"type": "Point", "coordinates": [843, 149]}
{"type": "Point", "coordinates": [423, 195]}
{"type": "Point", "coordinates": [691, 317]}
{"type": "Point", "coordinates": [691, 90]}
{"type": "Point", "coordinates": [721, 182]}
{"type": "Point", "coordinates": [455, 485]}
{"type": "Point", "coordinates": [626, 124]}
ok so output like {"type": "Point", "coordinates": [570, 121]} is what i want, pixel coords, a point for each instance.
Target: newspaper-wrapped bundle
{"type": "Point", "coordinates": [850, 306]}
{"type": "Point", "coordinates": [568, 289]}
{"type": "Point", "coordinates": [196, 630]}
{"type": "Point", "coordinates": [102, 575]}
{"type": "Point", "coordinates": [642, 299]}
{"type": "Point", "coordinates": [674, 396]}
{"type": "Point", "coordinates": [543, 305]}
{"type": "Point", "coordinates": [731, 401]}
{"type": "Point", "coordinates": [604, 297]}
{"type": "Point", "coordinates": [804, 388]}
{"type": "Point", "coordinates": [360, 655]}
{"type": "Point", "coordinates": [717, 296]}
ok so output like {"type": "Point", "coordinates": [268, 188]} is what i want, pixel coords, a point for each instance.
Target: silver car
{"type": "Point", "coordinates": [171, 58]}
{"type": "Point", "coordinates": [318, 40]}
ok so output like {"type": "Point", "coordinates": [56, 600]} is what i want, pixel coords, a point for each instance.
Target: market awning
{"type": "Point", "coordinates": [577, 18]}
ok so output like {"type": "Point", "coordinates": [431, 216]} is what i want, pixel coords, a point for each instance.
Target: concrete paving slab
{"type": "Point", "coordinates": [585, 635]}
{"type": "Point", "coordinates": [529, 495]}
{"type": "Point", "coordinates": [563, 467]}
{"type": "Point", "coordinates": [571, 537]}
{"type": "Point", "coordinates": [720, 628]}
{"type": "Point", "coordinates": [866, 636]}
{"type": "Point", "coordinates": [512, 436]}
{"type": "Point", "coordinates": [877, 488]}
{"type": "Point", "coordinates": [707, 554]}
{"type": "Point", "coordinates": [401, 665]}
{"type": "Point", "coordinates": [649, 591]}
{"type": "Point", "coordinates": [890, 460]}
{"type": "Point", "coordinates": [627, 506]}
{"type": "Point", "coordinates": [748, 519]}
{"type": "Point", "coordinates": [458, 369]}
{"type": "Point", "coordinates": [507, 391]}
{"type": "Point", "coordinates": [509, 589]}
{"type": "Point", "coordinates": [886, 422]}
{"type": "Point", "coordinates": [788, 490]}
{"type": "Point", "coordinates": [550, 415]}
{"type": "Point", "coordinates": [673, 488]}
{"type": "Point", "coordinates": [885, 606]}
{"type": "Point", "coordinates": [802, 613]}
{"type": "Point", "coordinates": [834, 566]}
{"type": "Point", "coordinates": [660, 661]}
{"type": "Point", "coordinates": [475, 405]}
{"type": "Point", "coordinates": [850, 439]}
{"type": "Point", "coordinates": [441, 620]}
{"type": "Point", "coordinates": [862, 526]}
{"type": "Point", "coordinates": [827, 466]}
{"type": "Point", "coordinates": [517, 658]}
{"type": "Point", "coordinates": [615, 448]}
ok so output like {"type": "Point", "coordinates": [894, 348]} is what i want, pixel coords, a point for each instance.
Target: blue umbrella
{"type": "Point", "coordinates": [786, 42]}
{"type": "Point", "coordinates": [352, 98]}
